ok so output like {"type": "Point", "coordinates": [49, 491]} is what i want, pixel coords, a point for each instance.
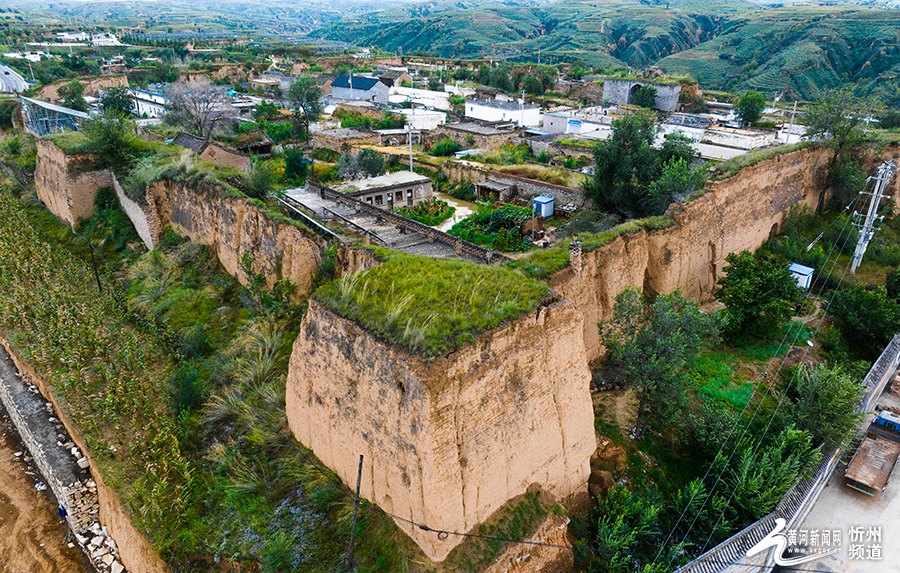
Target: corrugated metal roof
{"type": "Point", "coordinates": [57, 108]}
{"type": "Point", "coordinates": [801, 269]}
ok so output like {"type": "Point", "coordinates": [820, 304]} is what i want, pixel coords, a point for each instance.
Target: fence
{"type": "Point", "coordinates": [798, 501]}
{"type": "Point", "coordinates": [461, 246]}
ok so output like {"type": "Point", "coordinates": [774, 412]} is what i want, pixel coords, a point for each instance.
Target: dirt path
{"type": "Point", "coordinates": [32, 537]}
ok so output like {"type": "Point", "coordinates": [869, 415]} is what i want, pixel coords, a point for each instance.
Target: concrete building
{"type": "Point", "coordinates": [575, 121]}
{"type": "Point", "coordinates": [398, 189]}
{"type": "Point", "coordinates": [493, 110]}
{"type": "Point", "coordinates": [426, 98]}
{"type": "Point", "coordinates": [622, 92]}
{"type": "Point", "coordinates": [423, 119]}
{"type": "Point", "coordinates": [149, 104]}
{"type": "Point", "coordinates": [359, 87]}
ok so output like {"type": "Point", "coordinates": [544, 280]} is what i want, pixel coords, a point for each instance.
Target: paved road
{"type": "Point", "coordinates": [840, 507]}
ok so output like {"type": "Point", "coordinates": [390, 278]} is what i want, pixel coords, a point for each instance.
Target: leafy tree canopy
{"type": "Point", "coordinates": [626, 164]}
{"type": "Point", "coordinates": [825, 402]}
{"type": "Point", "coordinates": [758, 295]}
{"type": "Point", "coordinates": [654, 347]}
{"type": "Point", "coordinates": [72, 96]}
{"type": "Point", "coordinates": [118, 99]}
{"type": "Point", "coordinates": [749, 107]}
{"type": "Point", "coordinates": [304, 96]}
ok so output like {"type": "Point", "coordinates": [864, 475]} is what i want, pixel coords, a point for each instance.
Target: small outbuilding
{"type": "Point", "coordinates": [543, 205]}
{"type": "Point", "coordinates": [803, 274]}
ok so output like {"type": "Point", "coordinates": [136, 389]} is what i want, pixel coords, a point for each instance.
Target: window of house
{"type": "Point", "coordinates": [369, 200]}
{"type": "Point", "coordinates": [398, 196]}
{"type": "Point", "coordinates": [379, 199]}
{"type": "Point", "coordinates": [409, 198]}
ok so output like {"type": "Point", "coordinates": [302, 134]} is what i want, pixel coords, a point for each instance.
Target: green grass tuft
{"type": "Point", "coordinates": [431, 306]}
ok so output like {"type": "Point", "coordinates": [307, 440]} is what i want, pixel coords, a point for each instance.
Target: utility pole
{"type": "Point", "coordinates": [791, 128]}
{"type": "Point", "coordinates": [353, 521]}
{"type": "Point", "coordinates": [867, 228]}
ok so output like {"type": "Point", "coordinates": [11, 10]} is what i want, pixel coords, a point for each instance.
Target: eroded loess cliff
{"type": "Point", "coordinates": [735, 214]}
{"type": "Point", "coordinates": [446, 443]}
{"type": "Point", "coordinates": [233, 228]}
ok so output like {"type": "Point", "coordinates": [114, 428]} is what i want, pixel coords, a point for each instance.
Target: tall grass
{"type": "Point", "coordinates": [429, 305]}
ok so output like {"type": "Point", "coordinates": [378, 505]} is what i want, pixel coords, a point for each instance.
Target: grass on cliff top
{"type": "Point", "coordinates": [542, 264]}
{"type": "Point", "coordinates": [726, 169]}
{"type": "Point", "coordinates": [431, 306]}
{"type": "Point", "coordinates": [71, 142]}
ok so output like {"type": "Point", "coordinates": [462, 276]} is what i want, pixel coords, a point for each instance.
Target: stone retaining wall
{"type": "Point", "coordinates": [59, 459]}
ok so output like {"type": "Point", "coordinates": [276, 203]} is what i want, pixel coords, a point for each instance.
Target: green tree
{"type": "Point", "coordinates": [434, 83]}
{"type": "Point", "coordinates": [445, 147]}
{"type": "Point", "coordinates": [764, 473]}
{"type": "Point", "coordinates": [653, 347]}
{"type": "Point", "coordinates": [260, 179]}
{"type": "Point", "coordinates": [117, 99]}
{"type": "Point", "coordinates": [532, 85]}
{"type": "Point", "coordinates": [869, 317]}
{"type": "Point", "coordinates": [825, 401]}
{"type": "Point", "coordinates": [676, 182]}
{"type": "Point", "coordinates": [370, 162]}
{"type": "Point", "coordinates": [624, 164]}
{"type": "Point", "coordinates": [295, 165]}
{"type": "Point", "coordinates": [265, 110]}
{"type": "Point", "coordinates": [72, 96]}
{"type": "Point", "coordinates": [749, 107]}
{"type": "Point", "coordinates": [111, 138]}
{"type": "Point", "coordinates": [626, 522]}
{"type": "Point", "coordinates": [837, 119]}
{"type": "Point", "coordinates": [304, 96]}
{"type": "Point", "coordinates": [645, 96]}
{"type": "Point", "coordinates": [759, 296]}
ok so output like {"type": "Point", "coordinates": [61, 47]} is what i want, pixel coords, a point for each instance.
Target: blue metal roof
{"type": "Point", "coordinates": [801, 270]}
{"type": "Point", "coordinates": [543, 199]}
{"type": "Point", "coordinates": [359, 82]}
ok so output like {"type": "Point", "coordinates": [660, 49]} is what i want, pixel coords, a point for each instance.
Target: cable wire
{"type": "Point", "coordinates": [747, 404]}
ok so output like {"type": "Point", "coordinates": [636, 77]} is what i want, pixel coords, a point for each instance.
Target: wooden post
{"type": "Point", "coordinates": [353, 521]}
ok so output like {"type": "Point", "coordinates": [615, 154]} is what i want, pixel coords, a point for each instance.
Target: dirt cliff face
{"type": "Point", "coordinates": [232, 228]}
{"type": "Point", "coordinates": [66, 191]}
{"type": "Point", "coordinates": [446, 443]}
{"type": "Point", "coordinates": [92, 86]}
{"type": "Point", "coordinates": [735, 214]}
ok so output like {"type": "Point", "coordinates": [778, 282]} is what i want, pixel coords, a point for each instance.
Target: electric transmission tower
{"type": "Point", "coordinates": [867, 226]}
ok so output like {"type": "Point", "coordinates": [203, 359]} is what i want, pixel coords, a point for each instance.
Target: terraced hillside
{"type": "Point", "coordinates": [798, 51]}
{"type": "Point", "coordinates": [727, 44]}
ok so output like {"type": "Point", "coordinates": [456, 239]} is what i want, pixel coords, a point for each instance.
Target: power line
{"type": "Point", "coordinates": [759, 407]}
{"type": "Point", "coordinates": [744, 409]}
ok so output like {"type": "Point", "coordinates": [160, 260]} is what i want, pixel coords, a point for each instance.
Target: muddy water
{"type": "Point", "coordinates": [463, 210]}
{"type": "Point", "coordinates": [32, 536]}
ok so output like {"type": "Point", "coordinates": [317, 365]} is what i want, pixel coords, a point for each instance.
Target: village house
{"type": "Point", "coordinates": [359, 87]}
{"type": "Point", "coordinates": [398, 189]}
{"type": "Point", "coordinates": [494, 110]}
{"type": "Point", "coordinates": [147, 103]}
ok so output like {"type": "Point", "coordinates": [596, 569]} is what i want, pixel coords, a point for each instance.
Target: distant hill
{"type": "Point", "coordinates": [724, 44]}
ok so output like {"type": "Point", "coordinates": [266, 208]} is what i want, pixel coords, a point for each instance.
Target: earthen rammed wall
{"type": "Point", "coordinates": [68, 192]}
{"type": "Point", "coordinates": [233, 228]}
{"type": "Point", "coordinates": [230, 225]}
{"type": "Point", "coordinates": [735, 214]}
{"type": "Point", "coordinates": [92, 86]}
{"type": "Point", "coordinates": [447, 443]}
